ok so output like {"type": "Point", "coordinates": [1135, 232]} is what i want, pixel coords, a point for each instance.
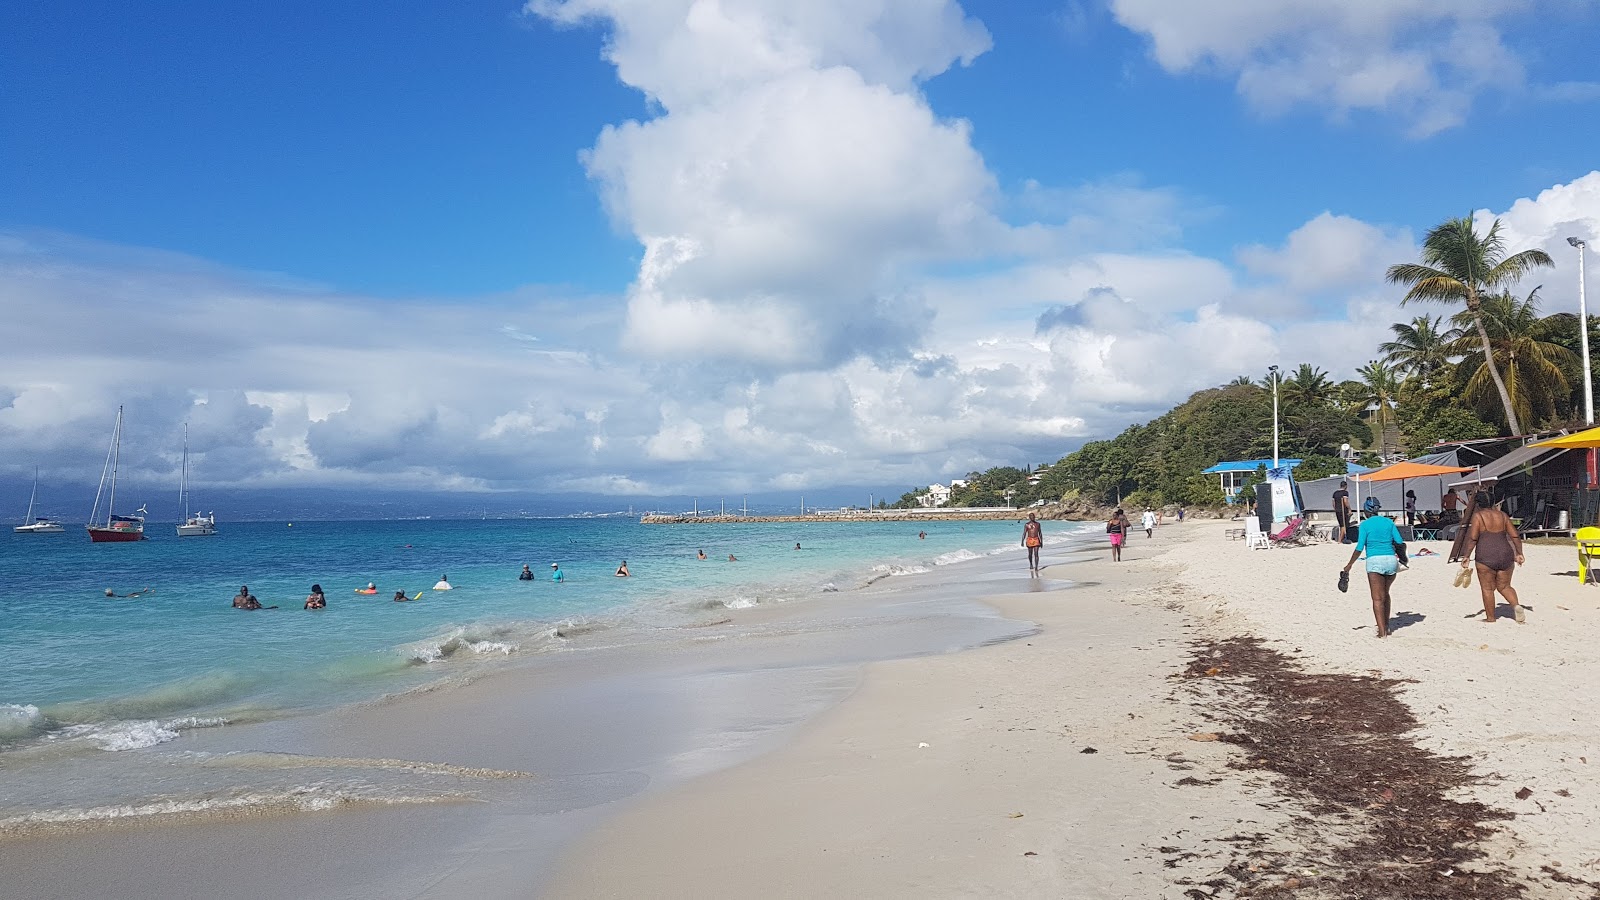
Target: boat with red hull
{"type": "Point", "coordinates": [116, 529]}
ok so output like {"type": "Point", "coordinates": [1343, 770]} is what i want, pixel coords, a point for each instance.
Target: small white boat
{"type": "Point", "coordinates": [194, 525]}
{"type": "Point", "coordinates": [43, 524]}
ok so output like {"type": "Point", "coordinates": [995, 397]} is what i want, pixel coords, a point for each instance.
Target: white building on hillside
{"type": "Point", "coordinates": [937, 495]}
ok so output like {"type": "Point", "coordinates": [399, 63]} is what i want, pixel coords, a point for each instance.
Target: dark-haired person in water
{"type": "Point", "coordinates": [139, 593]}
{"type": "Point", "coordinates": [622, 570]}
{"type": "Point", "coordinates": [1499, 552]}
{"type": "Point", "coordinates": [316, 600]}
{"type": "Point", "coordinates": [702, 554]}
{"type": "Point", "coordinates": [242, 597]}
{"type": "Point", "coordinates": [400, 597]}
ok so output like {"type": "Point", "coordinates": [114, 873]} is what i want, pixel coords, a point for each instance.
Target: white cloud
{"type": "Point", "coordinates": [1423, 61]}
{"type": "Point", "coordinates": [1545, 222]}
{"type": "Point", "coordinates": [795, 179]}
{"type": "Point", "coordinates": [1330, 253]}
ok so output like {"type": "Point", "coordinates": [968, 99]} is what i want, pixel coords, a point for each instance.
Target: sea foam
{"type": "Point", "coordinates": [19, 721]}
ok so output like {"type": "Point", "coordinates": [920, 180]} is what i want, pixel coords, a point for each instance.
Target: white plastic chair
{"type": "Point", "coordinates": [1254, 537]}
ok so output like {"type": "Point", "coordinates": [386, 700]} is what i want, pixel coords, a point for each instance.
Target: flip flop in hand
{"type": "Point", "coordinates": [1344, 582]}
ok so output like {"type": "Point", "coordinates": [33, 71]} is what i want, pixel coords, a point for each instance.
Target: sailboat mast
{"type": "Point", "coordinates": [116, 458]}
{"type": "Point", "coordinates": [183, 479]}
{"type": "Point", "coordinates": [33, 496]}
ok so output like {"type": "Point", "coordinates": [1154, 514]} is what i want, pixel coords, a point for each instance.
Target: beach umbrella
{"type": "Point", "coordinates": [1576, 441]}
{"type": "Point", "coordinates": [1406, 469]}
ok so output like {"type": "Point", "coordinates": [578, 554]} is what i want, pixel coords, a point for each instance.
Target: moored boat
{"type": "Point", "coordinates": [195, 525]}
{"type": "Point", "coordinates": [116, 529]}
{"type": "Point", "coordinates": [42, 524]}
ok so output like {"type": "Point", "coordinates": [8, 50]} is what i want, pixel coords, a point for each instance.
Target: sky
{"type": "Point", "coordinates": [669, 247]}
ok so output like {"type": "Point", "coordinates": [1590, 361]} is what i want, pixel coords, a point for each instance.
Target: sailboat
{"type": "Point", "coordinates": [117, 529]}
{"type": "Point", "coordinates": [41, 525]}
{"type": "Point", "coordinates": [193, 525]}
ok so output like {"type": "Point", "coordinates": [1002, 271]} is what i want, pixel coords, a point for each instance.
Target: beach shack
{"type": "Point", "coordinates": [1232, 475]}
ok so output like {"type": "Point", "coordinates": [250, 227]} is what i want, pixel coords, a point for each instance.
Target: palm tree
{"type": "Point", "coordinates": [1309, 386]}
{"type": "Point", "coordinates": [1535, 368]}
{"type": "Point", "coordinates": [1458, 266]}
{"type": "Point", "coordinates": [1420, 349]}
{"type": "Point", "coordinates": [1376, 392]}
{"type": "Point", "coordinates": [1242, 381]}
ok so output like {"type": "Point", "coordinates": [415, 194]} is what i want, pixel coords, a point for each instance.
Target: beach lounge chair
{"type": "Point", "coordinates": [1294, 533]}
{"type": "Point", "coordinates": [1588, 540]}
{"type": "Point", "coordinates": [1254, 537]}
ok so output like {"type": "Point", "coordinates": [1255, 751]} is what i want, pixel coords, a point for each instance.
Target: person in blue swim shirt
{"type": "Point", "coordinates": [1380, 539]}
{"type": "Point", "coordinates": [555, 573]}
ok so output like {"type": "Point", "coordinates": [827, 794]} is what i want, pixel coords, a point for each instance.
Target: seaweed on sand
{"type": "Point", "coordinates": [1384, 819]}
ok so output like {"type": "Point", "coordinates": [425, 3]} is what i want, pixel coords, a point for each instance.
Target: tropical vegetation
{"type": "Point", "coordinates": [1493, 366]}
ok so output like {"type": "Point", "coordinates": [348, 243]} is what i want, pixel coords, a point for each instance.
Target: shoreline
{"type": "Point", "coordinates": [578, 731]}
{"type": "Point", "coordinates": [1006, 799]}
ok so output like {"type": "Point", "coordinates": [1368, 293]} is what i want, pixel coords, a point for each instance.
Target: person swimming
{"type": "Point", "coordinates": [371, 588]}
{"type": "Point", "coordinates": [400, 597]}
{"type": "Point", "coordinates": [797, 546]}
{"type": "Point", "coordinates": [140, 592]}
{"type": "Point", "coordinates": [702, 554]}
{"type": "Point", "coordinates": [732, 558]}
{"type": "Point", "coordinates": [622, 570]}
{"type": "Point", "coordinates": [242, 597]}
{"type": "Point", "coordinates": [555, 572]}
{"type": "Point", "coordinates": [526, 574]}
{"type": "Point", "coordinates": [316, 600]}
{"type": "Point", "coordinates": [444, 584]}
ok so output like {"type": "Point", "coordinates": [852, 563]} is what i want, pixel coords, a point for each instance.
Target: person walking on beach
{"type": "Point", "coordinates": [1379, 537]}
{"type": "Point", "coordinates": [1341, 511]}
{"type": "Point", "coordinates": [1499, 552]}
{"type": "Point", "coordinates": [1148, 520]}
{"type": "Point", "coordinates": [316, 599]}
{"type": "Point", "coordinates": [1033, 539]}
{"type": "Point", "coordinates": [1116, 526]}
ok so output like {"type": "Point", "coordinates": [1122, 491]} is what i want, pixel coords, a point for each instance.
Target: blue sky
{"type": "Point", "coordinates": [846, 216]}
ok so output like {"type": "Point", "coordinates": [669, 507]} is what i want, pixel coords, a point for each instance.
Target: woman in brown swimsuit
{"type": "Point", "coordinates": [1499, 552]}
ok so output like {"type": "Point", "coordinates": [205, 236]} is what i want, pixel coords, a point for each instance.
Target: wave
{"type": "Point", "coordinates": [19, 721]}
{"type": "Point", "coordinates": [115, 737]}
{"type": "Point", "coordinates": [177, 697]}
{"type": "Point", "coordinates": [955, 556]}
{"type": "Point", "coordinates": [253, 803]}
{"type": "Point", "coordinates": [473, 639]}
{"type": "Point", "coordinates": [262, 759]}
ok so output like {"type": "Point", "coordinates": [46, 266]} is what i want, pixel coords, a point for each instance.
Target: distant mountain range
{"type": "Point", "coordinates": [71, 504]}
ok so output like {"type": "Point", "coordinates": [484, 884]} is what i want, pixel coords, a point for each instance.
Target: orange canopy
{"type": "Point", "coordinates": [1407, 469]}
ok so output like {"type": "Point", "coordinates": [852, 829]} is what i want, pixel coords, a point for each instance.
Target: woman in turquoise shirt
{"type": "Point", "coordinates": [1379, 537]}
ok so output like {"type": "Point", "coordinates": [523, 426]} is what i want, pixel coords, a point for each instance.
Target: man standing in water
{"type": "Point", "coordinates": [1033, 539]}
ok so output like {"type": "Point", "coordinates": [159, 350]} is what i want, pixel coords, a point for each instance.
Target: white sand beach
{"type": "Point", "coordinates": [966, 775]}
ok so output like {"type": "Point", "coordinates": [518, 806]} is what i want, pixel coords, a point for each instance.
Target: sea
{"type": "Point", "coordinates": [97, 692]}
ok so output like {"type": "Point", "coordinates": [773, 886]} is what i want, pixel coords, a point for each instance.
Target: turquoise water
{"type": "Point", "coordinates": [129, 673]}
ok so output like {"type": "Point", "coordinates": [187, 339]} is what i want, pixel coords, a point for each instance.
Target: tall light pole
{"type": "Point", "coordinates": [1274, 371]}
{"type": "Point", "coordinates": [1583, 333]}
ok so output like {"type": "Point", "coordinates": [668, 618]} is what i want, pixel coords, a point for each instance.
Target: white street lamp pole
{"type": "Point", "coordinates": [1583, 333]}
{"type": "Point", "coordinates": [1274, 371]}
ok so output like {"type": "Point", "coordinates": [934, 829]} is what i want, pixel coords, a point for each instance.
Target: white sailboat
{"type": "Point", "coordinates": [193, 525]}
{"type": "Point", "coordinates": [41, 525]}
